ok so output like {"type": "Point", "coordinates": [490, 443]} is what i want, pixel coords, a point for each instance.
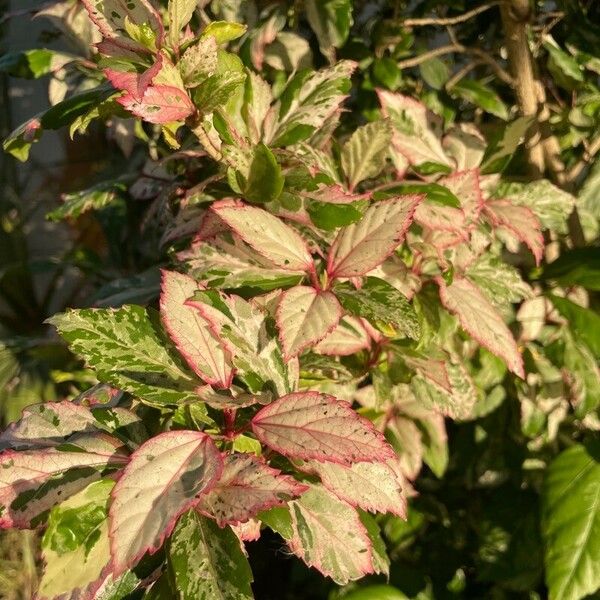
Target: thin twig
{"type": "Point", "coordinates": [449, 20]}
{"type": "Point", "coordinates": [482, 55]}
{"type": "Point", "coordinates": [574, 172]}
{"type": "Point", "coordinates": [461, 73]}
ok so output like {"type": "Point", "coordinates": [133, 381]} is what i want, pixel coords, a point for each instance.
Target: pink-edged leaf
{"type": "Point", "coordinates": [466, 186]}
{"type": "Point", "coordinates": [32, 482]}
{"type": "Point", "coordinates": [110, 15]}
{"type": "Point", "coordinates": [267, 234]}
{"type": "Point", "coordinates": [376, 486]}
{"type": "Point", "coordinates": [132, 82]}
{"type": "Point", "coordinates": [311, 425]}
{"type": "Point", "coordinates": [304, 317]}
{"type": "Point", "coordinates": [194, 336]}
{"type": "Point", "coordinates": [434, 369]}
{"type": "Point", "coordinates": [362, 246]}
{"type": "Point", "coordinates": [348, 337]}
{"type": "Point", "coordinates": [164, 478]}
{"type": "Point", "coordinates": [520, 221]}
{"type": "Point", "coordinates": [160, 104]}
{"type": "Point", "coordinates": [334, 194]}
{"type": "Point", "coordinates": [440, 218]}
{"type": "Point", "coordinates": [246, 487]}
{"type": "Point", "coordinates": [328, 534]}
{"type": "Point", "coordinates": [481, 320]}
{"type": "Point", "coordinates": [416, 130]}
{"type": "Point", "coordinates": [46, 425]}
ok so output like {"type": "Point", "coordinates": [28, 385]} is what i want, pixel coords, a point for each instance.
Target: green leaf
{"type": "Point", "coordinates": [382, 304]}
{"type": "Point", "coordinates": [32, 64]}
{"type": "Point", "coordinates": [75, 546]}
{"type": "Point", "coordinates": [224, 31]}
{"type": "Point", "coordinates": [128, 350]}
{"type": "Point", "coordinates": [364, 154]}
{"type": "Point", "coordinates": [501, 149]}
{"type": "Point", "coordinates": [331, 21]}
{"type": "Point", "coordinates": [375, 592]}
{"type": "Point", "coordinates": [578, 266]}
{"type": "Point", "coordinates": [583, 322]}
{"type": "Point", "coordinates": [328, 216]}
{"type": "Point", "coordinates": [481, 95]}
{"type": "Point", "coordinates": [435, 72]}
{"type": "Point", "coordinates": [435, 193]}
{"type": "Point", "coordinates": [571, 523]}
{"type": "Point", "coordinates": [584, 368]}
{"type": "Point", "coordinates": [65, 112]}
{"type": "Point", "coordinates": [265, 180]}
{"type": "Point", "coordinates": [215, 90]}
{"type": "Point", "coordinates": [18, 143]}
{"type": "Point", "coordinates": [93, 198]}
{"type": "Point", "coordinates": [207, 562]}
{"type": "Point", "coordinates": [565, 62]}
{"type": "Point", "coordinates": [385, 72]}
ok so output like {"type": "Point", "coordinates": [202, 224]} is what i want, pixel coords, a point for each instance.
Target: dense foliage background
{"type": "Point", "coordinates": [501, 462]}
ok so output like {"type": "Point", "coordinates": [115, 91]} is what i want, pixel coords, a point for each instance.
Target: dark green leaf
{"type": "Point", "coordinates": [583, 322]}
{"type": "Point", "coordinates": [435, 192]}
{"type": "Point", "coordinates": [265, 180]}
{"type": "Point", "coordinates": [481, 95]}
{"type": "Point", "coordinates": [579, 266]}
{"type": "Point", "coordinates": [328, 216]}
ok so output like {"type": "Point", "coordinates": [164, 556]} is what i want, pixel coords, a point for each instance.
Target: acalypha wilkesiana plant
{"type": "Point", "coordinates": [327, 302]}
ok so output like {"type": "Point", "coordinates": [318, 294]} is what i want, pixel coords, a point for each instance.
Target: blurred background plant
{"type": "Point", "coordinates": [475, 527]}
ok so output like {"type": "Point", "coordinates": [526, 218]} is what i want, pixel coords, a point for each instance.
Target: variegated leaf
{"type": "Point", "coordinates": [327, 534]}
{"type": "Point", "coordinates": [520, 221]}
{"type": "Point", "coordinates": [481, 320]}
{"type": "Point", "coordinates": [247, 331]}
{"type": "Point", "coordinates": [75, 546]}
{"type": "Point", "coordinates": [466, 186]}
{"type": "Point", "coordinates": [208, 562]}
{"type": "Point", "coordinates": [246, 487]}
{"type": "Point", "coordinates": [33, 481]}
{"type": "Point", "coordinates": [362, 246]}
{"type": "Point", "coordinates": [304, 317]}
{"type": "Point", "coordinates": [51, 423]}
{"type": "Point", "coordinates": [163, 479]}
{"type": "Point", "coordinates": [198, 61]}
{"type": "Point", "coordinates": [364, 154]}
{"type": "Point", "coordinates": [159, 104]}
{"type": "Point", "coordinates": [316, 100]}
{"type": "Point", "coordinates": [194, 336]}
{"type": "Point", "coordinates": [376, 487]}
{"type": "Point", "coordinates": [124, 348]}
{"type": "Point", "coordinates": [417, 131]}
{"type": "Point", "coordinates": [348, 337]}
{"type": "Point", "coordinates": [268, 235]}
{"type": "Point", "coordinates": [112, 16]}
{"type": "Point", "coordinates": [311, 425]}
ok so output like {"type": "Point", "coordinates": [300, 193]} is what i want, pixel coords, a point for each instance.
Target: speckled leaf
{"type": "Point", "coordinates": [195, 338]}
{"type": "Point", "coordinates": [481, 320]}
{"type": "Point", "coordinates": [126, 351]}
{"type": "Point", "coordinates": [207, 562]}
{"type": "Point", "coordinates": [311, 425]}
{"type": "Point", "coordinates": [362, 246]}
{"type": "Point", "coordinates": [75, 546]}
{"type": "Point", "coordinates": [381, 304]}
{"type": "Point", "coordinates": [110, 17]}
{"type": "Point", "coordinates": [376, 487]}
{"type": "Point", "coordinates": [32, 482]}
{"type": "Point", "coordinates": [159, 104]}
{"type": "Point", "coordinates": [246, 487]}
{"type": "Point", "coordinates": [304, 317]}
{"type": "Point", "coordinates": [364, 154]}
{"type": "Point", "coordinates": [268, 235]}
{"type": "Point", "coordinates": [328, 534]}
{"type": "Point", "coordinates": [163, 479]}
